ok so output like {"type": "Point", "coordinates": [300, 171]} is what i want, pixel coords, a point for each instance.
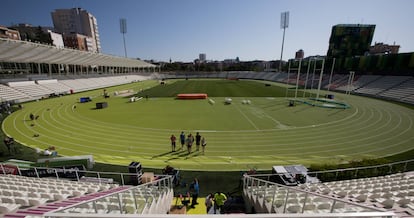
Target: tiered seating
{"type": "Point", "coordinates": [222, 75]}
{"type": "Point", "coordinates": [41, 210]}
{"type": "Point", "coordinates": [281, 77]}
{"type": "Point", "coordinates": [18, 192]}
{"type": "Point", "coordinates": [213, 75]}
{"type": "Point", "coordinates": [236, 74]}
{"type": "Point", "coordinates": [278, 199]}
{"type": "Point", "coordinates": [9, 94]}
{"type": "Point", "coordinates": [359, 82]}
{"type": "Point", "coordinates": [30, 88]}
{"type": "Point", "coordinates": [76, 84]}
{"type": "Point", "coordinates": [408, 99]}
{"type": "Point", "coordinates": [133, 201]}
{"type": "Point", "coordinates": [253, 75]}
{"type": "Point", "coordinates": [393, 192]}
{"type": "Point", "coordinates": [271, 76]}
{"type": "Point", "coordinates": [381, 84]}
{"type": "Point", "coordinates": [150, 198]}
{"type": "Point", "coordinates": [55, 86]}
{"type": "Point", "coordinates": [403, 90]}
{"type": "Point", "coordinates": [338, 80]}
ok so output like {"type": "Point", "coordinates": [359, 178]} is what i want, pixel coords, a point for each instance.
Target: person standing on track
{"type": "Point", "coordinates": [189, 141]}
{"type": "Point", "coordinates": [198, 140]}
{"type": "Point", "coordinates": [203, 144]}
{"type": "Point", "coordinates": [173, 139]}
{"type": "Point", "coordinates": [182, 140]}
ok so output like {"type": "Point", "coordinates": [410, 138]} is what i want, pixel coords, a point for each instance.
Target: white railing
{"type": "Point", "coordinates": [376, 169]}
{"type": "Point", "coordinates": [72, 173]}
{"type": "Point", "coordinates": [353, 172]}
{"type": "Point", "coordinates": [269, 197]}
{"type": "Point", "coordinates": [342, 215]}
{"type": "Point", "coordinates": [155, 197]}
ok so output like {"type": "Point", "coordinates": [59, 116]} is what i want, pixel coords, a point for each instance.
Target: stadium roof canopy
{"type": "Point", "coordinates": [16, 51]}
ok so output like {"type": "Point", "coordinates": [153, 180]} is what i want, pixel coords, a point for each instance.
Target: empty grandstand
{"type": "Point", "coordinates": [380, 196]}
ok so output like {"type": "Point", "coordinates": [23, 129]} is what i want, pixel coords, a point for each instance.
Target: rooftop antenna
{"type": "Point", "coordinates": [123, 27]}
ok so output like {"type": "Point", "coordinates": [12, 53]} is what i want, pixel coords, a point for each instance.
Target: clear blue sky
{"type": "Point", "coordinates": [223, 29]}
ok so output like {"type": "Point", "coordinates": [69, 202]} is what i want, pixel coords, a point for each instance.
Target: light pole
{"type": "Point", "coordinates": [284, 23]}
{"type": "Point", "coordinates": [123, 27]}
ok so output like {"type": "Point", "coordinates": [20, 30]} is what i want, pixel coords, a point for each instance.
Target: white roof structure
{"type": "Point", "coordinates": [15, 51]}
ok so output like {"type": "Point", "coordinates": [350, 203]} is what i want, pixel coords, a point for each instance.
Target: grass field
{"type": "Point", "coordinates": [239, 136]}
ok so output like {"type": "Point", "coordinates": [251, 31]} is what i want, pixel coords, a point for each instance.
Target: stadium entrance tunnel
{"type": "Point", "coordinates": [322, 102]}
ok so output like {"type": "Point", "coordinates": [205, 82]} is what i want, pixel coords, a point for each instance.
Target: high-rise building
{"type": "Point", "coordinates": [77, 21]}
{"type": "Point", "coordinates": [299, 54]}
{"type": "Point", "coordinates": [349, 40]}
{"type": "Point", "coordinates": [76, 41]}
{"type": "Point", "coordinates": [202, 57]}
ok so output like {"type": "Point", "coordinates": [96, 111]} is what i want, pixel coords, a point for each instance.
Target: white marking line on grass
{"type": "Point", "coordinates": [48, 136]}
{"type": "Point", "coordinates": [92, 122]}
{"type": "Point", "coordinates": [374, 136]}
{"type": "Point", "coordinates": [25, 135]}
{"type": "Point", "coordinates": [245, 116]}
{"type": "Point", "coordinates": [279, 125]}
{"type": "Point", "coordinates": [381, 113]}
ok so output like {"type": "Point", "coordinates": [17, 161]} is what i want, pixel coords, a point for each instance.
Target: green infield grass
{"type": "Point", "coordinates": [239, 135]}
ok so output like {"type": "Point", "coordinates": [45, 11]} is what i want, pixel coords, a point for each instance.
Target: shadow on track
{"type": "Point", "coordinates": [160, 155]}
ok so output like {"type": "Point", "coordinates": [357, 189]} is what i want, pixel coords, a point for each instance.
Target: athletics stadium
{"type": "Point", "coordinates": [120, 114]}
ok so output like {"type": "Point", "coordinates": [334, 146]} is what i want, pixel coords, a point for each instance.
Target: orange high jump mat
{"type": "Point", "coordinates": [192, 96]}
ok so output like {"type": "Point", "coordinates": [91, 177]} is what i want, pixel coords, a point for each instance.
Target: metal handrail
{"type": "Point", "coordinates": [258, 181]}
{"type": "Point", "coordinates": [76, 171]}
{"type": "Point", "coordinates": [390, 165]}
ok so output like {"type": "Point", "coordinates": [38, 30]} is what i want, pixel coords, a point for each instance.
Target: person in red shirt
{"type": "Point", "coordinates": [173, 139]}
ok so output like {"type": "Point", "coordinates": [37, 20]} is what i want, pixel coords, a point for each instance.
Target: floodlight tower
{"type": "Point", "coordinates": [123, 27]}
{"type": "Point", "coordinates": [284, 23]}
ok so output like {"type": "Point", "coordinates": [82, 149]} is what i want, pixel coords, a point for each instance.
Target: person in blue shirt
{"type": "Point", "coordinates": [195, 190]}
{"type": "Point", "coordinates": [182, 139]}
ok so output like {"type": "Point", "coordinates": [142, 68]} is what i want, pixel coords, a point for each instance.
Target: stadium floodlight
{"type": "Point", "coordinates": [123, 28]}
{"type": "Point", "coordinates": [284, 23]}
